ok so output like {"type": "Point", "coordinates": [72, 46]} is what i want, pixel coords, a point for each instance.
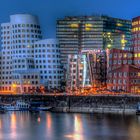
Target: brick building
{"type": "Point", "coordinates": [124, 78]}
{"type": "Point", "coordinates": [123, 75]}
{"type": "Point", "coordinates": [118, 58]}
{"type": "Point", "coordinates": [136, 40]}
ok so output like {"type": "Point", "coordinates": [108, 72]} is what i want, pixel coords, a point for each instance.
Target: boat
{"type": "Point", "coordinates": [40, 108]}
{"type": "Point", "coordinates": [15, 106]}
{"type": "Point", "coordinates": [138, 109]}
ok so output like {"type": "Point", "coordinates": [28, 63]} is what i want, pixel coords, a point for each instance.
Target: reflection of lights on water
{"type": "Point", "coordinates": [49, 125]}
{"type": "Point", "coordinates": [77, 124]}
{"type": "Point", "coordinates": [0, 124]}
{"type": "Point", "coordinates": [13, 125]}
{"type": "Point", "coordinates": [74, 136]}
{"type": "Point", "coordinates": [78, 129]}
{"type": "Point", "coordinates": [39, 120]}
{"type": "Point", "coordinates": [49, 121]}
{"type": "Point", "coordinates": [13, 121]}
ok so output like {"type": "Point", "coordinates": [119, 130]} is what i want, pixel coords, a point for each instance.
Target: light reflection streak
{"type": "Point", "coordinates": [13, 125]}
{"type": "Point", "coordinates": [49, 124]}
{"type": "Point", "coordinates": [0, 124]}
{"type": "Point", "coordinates": [78, 129]}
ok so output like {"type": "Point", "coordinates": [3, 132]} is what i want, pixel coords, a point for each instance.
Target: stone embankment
{"type": "Point", "coordinates": [121, 104]}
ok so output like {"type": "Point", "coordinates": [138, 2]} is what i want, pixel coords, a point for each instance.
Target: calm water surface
{"type": "Point", "coordinates": [59, 126]}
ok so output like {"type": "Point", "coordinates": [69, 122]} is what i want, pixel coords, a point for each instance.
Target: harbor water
{"type": "Point", "coordinates": [68, 126]}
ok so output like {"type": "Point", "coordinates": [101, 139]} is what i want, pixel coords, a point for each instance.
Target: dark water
{"type": "Point", "coordinates": [53, 126]}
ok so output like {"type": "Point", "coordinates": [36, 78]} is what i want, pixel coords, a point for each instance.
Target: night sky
{"type": "Point", "coordinates": [49, 10]}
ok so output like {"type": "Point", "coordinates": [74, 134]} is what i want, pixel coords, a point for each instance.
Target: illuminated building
{"type": "Point", "coordinates": [118, 58]}
{"type": "Point", "coordinates": [123, 75]}
{"type": "Point", "coordinates": [136, 40]}
{"type": "Point", "coordinates": [125, 78]}
{"type": "Point", "coordinates": [17, 36]}
{"type": "Point", "coordinates": [78, 73]}
{"type": "Point", "coordinates": [86, 70]}
{"type": "Point", "coordinates": [25, 58]}
{"type": "Point", "coordinates": [92, 32]}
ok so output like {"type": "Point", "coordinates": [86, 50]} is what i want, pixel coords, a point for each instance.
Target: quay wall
{"type": "Point", "coordinates": [121, 104]}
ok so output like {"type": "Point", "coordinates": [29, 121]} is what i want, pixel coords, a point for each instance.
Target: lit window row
{"type": "Point", "coordinates": [136, 29]}
{"type": "Point", "coordinates": [137, 55]}
{"type": "Point", "coordinates": [135, 23]}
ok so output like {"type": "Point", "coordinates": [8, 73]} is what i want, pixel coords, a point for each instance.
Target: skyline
{"type": "Point", "coordinates": [51, 10]}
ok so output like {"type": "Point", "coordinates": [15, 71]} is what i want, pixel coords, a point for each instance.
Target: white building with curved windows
{"type": "Point", "coordinates": [20, 40]}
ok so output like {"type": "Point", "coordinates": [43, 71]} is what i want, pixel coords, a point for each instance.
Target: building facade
{"type": "Point", "coordinates": [25, 58]}
{"type": "Point", "coordinates": [47, 62]}
{"type": "Point", "coordinates": [17, 38]}
{"type": "Point", "coordinates": [92, 32]}
{"type": "Point", "coordinates": [118, 58]}
{"type": "Point", "coordinates": [125, 78]}
{"type": "Point", "coordinates": [136, 40]}
{"type": "Point", "coordinates": [86, 70]}
{"type": "Point", "coordinates": [123, 75]}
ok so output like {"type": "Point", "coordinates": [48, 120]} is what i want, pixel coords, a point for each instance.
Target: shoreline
{"type": "Point", "coordinates": [81, 104]}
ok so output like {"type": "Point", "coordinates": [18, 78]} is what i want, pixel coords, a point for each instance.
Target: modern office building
{"type": "Point", "coordinates": [25, 58]}
{"type": "Point", "coordinates": [92, 32]}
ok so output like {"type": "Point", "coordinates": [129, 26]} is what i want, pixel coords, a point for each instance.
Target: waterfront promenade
{"type": "Point", "coordinates": [122, 104]}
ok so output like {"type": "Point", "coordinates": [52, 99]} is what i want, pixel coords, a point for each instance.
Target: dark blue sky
{"type": "Point", "coordinates": [49, 10]}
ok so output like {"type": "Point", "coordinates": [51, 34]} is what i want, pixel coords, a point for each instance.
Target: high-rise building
{"type": "Point", "coordinates": [27, 62]}
{"type": "Point", "coordinates": [136, 40]}
{"type": "Point", "coordinates": [92, 32]}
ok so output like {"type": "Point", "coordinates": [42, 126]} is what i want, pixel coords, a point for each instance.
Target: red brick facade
{"type": "Point", "coordinates": [136, 40]}
{"type": "Point", "coordinates": [125, 78]}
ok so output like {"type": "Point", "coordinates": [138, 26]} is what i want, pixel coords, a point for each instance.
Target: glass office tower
{"type": "Point", "coordinates": [92, 32]}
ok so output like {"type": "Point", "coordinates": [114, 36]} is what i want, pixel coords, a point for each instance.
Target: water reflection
{"type": "Point", "coordinates": [78, 129]}
{"type": "Point", "coordinates": [13, 126]}
{"type": "Point", "coordinates": [59, 126]}
{"type": "Point", "coordinates": [49, 125]}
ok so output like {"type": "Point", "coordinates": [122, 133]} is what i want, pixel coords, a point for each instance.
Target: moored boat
{"type": "Point", "coordinates": [15, 106]}
{"type": "Point", "coordinates": [40, 108]}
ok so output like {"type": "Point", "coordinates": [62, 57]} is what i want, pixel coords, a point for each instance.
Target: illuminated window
{"type": "Point", "coordinates": [74, 25]}
{"type": "Point", "coordinates": [125, 55]}
{"type": "Point", "coordinates": [119, 24]}
{"type": "Point", "coordinates": [88, 26]}
{"type": "Point", "coordinates": [135, 55]}
{"type": "Point", "coordinates": [88, 29]}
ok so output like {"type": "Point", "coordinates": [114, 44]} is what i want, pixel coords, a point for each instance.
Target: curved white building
{"type": "Point", "coordinates": [17, 39]}
{"type": "Point", "coordinates": [27, 62]}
